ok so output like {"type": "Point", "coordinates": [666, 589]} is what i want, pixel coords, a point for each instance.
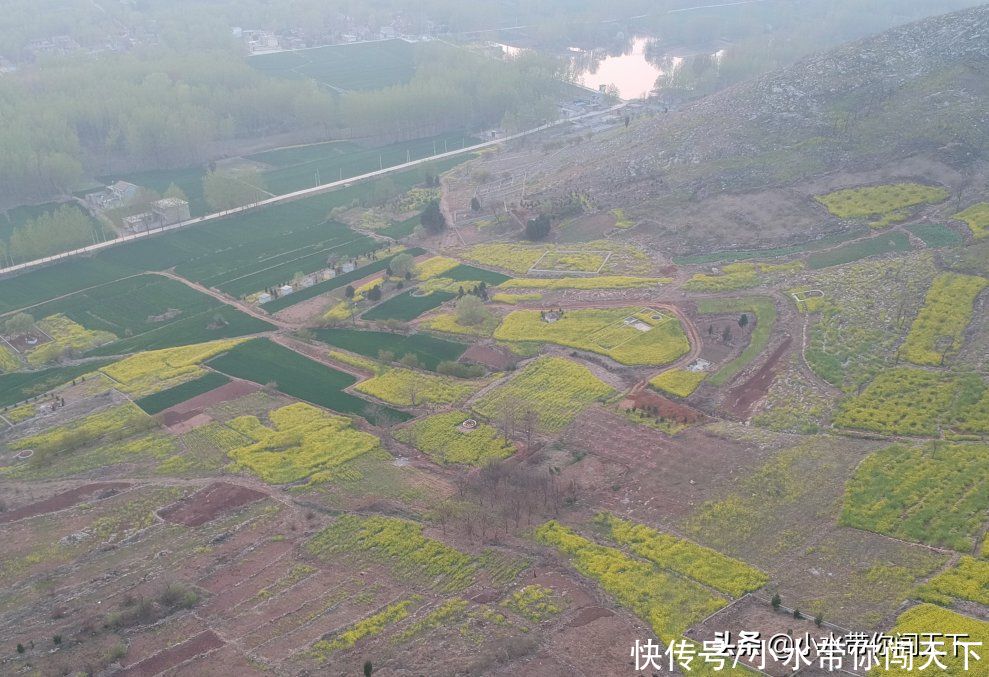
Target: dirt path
{"type": "Point", "coordinates": [319, 354]}
{"type": "Point", "coordinates": [228, 300]}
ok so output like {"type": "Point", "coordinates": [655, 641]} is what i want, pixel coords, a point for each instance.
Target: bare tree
{"type": "Point", "coordinates": [530, 427]}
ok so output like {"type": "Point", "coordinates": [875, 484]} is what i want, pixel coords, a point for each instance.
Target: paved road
{"type": "Point", "coordinates": [307, 192]}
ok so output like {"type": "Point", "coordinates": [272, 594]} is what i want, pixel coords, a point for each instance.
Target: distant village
{"type": "Point", "coordinates": [340, 29]}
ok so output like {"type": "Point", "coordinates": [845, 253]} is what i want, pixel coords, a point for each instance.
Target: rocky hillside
{"type": "Point", "coordinates": [918, 92]}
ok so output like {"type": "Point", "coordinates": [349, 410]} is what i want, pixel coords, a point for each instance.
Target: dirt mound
{"type": "Point", "coordinates": [209, 503]}
{"type": "Point", "coordinates": [64, 500]}
{"type": "Point", "coordinates": [657, 405]}
{"type": "Point", "coordinates": [164, 660]}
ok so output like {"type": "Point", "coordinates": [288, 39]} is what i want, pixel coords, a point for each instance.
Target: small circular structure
{"type": "Point", "coordinates": [24, 454]}
{"type": "Point", "coordinates": [469, 424]}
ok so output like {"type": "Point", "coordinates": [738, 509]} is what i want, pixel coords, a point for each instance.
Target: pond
{"type": "Point", "coordinates": [633, 72]}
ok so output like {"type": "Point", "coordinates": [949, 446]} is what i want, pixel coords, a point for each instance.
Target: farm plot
{"type": "Point", "coordinates": [864, 316]}
{"type": "Point", "coordinates": [21, 386]}
{"type": "Point", "coordinates": [149, 312]}
{"type": "Point", "coordinates": [597, 282]}
{"type": "Point", "coordinates": [428, 350]}
{"type": "Point", "coordinates": [704, 565]}
{"type": "Point", "coordinates": [555, 388]}
{"type": "Point", "coordinates": [588, 257]}
{"type": "Point", "coordinates": [241, 254]}
{"type": "Point", "coordinates": [730, 256]}
{"type": "Point", "coordinates": [158, 402]}
{"type": "Point", "coordinates": [679, 382]}
{"type": "Point", "coordinates": [669, 603]}
{"type": "Point", "coordinates": [120, 434]}
{"type": "Point", "coordinates": [366, 65]}
{"type": "Point", "coordinates": [570, 261]}
{"type": "Point", "coordinates": [969, 580]}
{"type": "Point", "coordinates": [67, 337]}
{"type": "Point", "coordinates": [407, 306]}
{"type": "Point", "coordinates": [765, 513]}
{"type": "Point", "coordinates": [299, 167]}
{"type": "Point", "coordinates": [401, 546]}
{"type": "Point", "coordinates": [906, 401]}
{"type": "Point", "coordinates": [304, 443]}
{"type": "Point", "coordinates": [464, 273]}
{"type": "Point", "coordinates": [933, 494]}
{"type": "Point", "coordinates": [886, 203]}
{"type": "Point", "coordinates": [887, 243]}
{"type": "Point", "coordinates": [446, 440]}
{"type": "Point", "coordinates": [936, 235]}
{"type": "Point", "coordinates": [921, 619]}
{"type": "Point", "coordinates": [938, 330]}
{"type": "Point", "coordinates": [265, 362]}
{"type": "Point", "coordinates": [627, 335]}
{"type": "Point", "coordinates": [449, 324]}
{"type": "Point", "coordinates": [146, 373]}
{"type": "Point", "coordinates": [764, 310]}
{"type": "Point", "coordinates": [408, 388]}
{"type": "Point", "coordinates": [976, 218]}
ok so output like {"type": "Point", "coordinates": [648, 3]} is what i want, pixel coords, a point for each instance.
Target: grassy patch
{"type": "Point", "coordinates": [933, 494]}
{"type": "Point", "coordinates": [441, 438]}
{"type": "Point", "coordinates": [935, 235]}
{"type": "Point", "coordinates": [429, 350]}
{"type": "Point", "coordinates": [854, 251]}
{"type": "Point", "coordinates": [153, 404]}
{"type": "Point", "coordinates": [627, 335]}
{"type": "Point", "coordinates": [555, 388]}
{"type": "Point", "coordinates": [367, 627]}
{"type": "Point", "coordinates": [939, 328]}
{"type": "Point", "coordinates": [265, 362]}
{"type": "Point", "coordinates": [976, 218]}
{"type": "Point", "coordinates": [886, 203]}
{"type": "Point", "coordinates": [742, 255]}
{"type": "Point", "coordinates": [366, 65]}
{"type": "Point", "coordinates": [765, 312]}
{"type": "Point", "coordinates": [407, 307]}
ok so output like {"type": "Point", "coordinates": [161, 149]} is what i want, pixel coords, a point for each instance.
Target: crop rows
{"type": "Point", "coordinates": [934, 494]}
{"type": "Point", "coordinates": [262, 361]}
{"type": "Point", "coordinates": [428, 350]}
{"type": "Point", "coordinates": [726, 574]}
{"type": "Point", "coordinates": [400, 545]}
{"type": "Point", "coordinates": [669, 603]}
{"type": "Point", "coordinates": [939, 328]}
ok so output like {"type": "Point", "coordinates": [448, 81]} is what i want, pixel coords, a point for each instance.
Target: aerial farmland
{"type": "Point", "coordinates": [513, 410]}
